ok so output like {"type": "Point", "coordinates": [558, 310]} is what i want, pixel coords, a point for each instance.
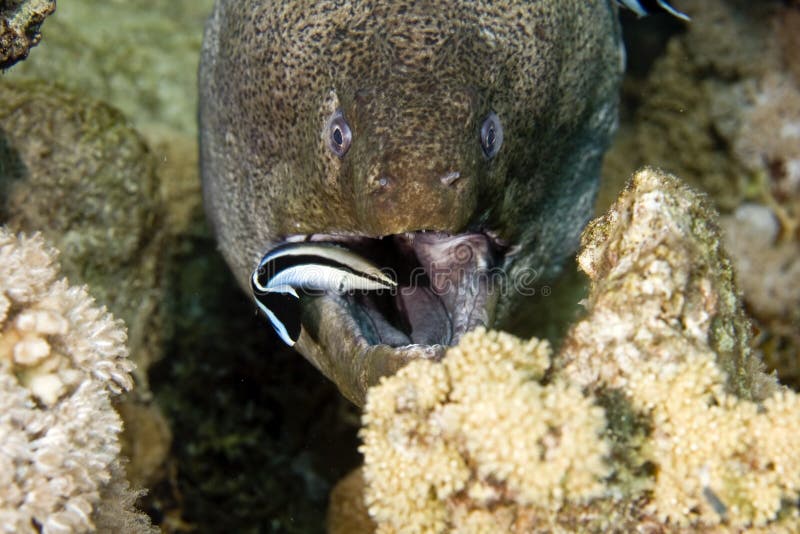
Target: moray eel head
{"type": "Point", "coordinates": [456, 144]}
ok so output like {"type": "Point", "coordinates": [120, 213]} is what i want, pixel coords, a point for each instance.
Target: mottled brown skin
{"type": "Point", "coordinates": [415, 80]}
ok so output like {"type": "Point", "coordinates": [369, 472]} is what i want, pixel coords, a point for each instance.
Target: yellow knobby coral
{"type": "Point", "coordinates": [446, 442]}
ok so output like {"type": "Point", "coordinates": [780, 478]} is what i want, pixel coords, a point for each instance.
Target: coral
{"type": "Point", "coordinates": [445, 443]}
{"type": "Point", "coordinates": [693, 105]}
{"type": "Point", "coordinates": [721, 108]}
{"type": "Point", "coordinates": [659, 279]}
{"type": "Point", "coordinates": [74, 170]}
{"type": "Point", "coordinates": [20, 21]}
{"type": "Point", "coordinates": [787, 28]}
{"type": "Point", "coordinates": [146, 440]}
{"type": "Point", "coordinates": [347, 512]}
{"type": "Point", "coordinates": [654, 415]}
{"type": "Point", "coordinates": [691, 99]}
{"type": "Point", "coordinates": [665, 331]}
{"type": "Point", "coordinates": [77, 172]}
{"type": "Point", "coordinates": [768, 145]}
{"type": "Point", "coordinates": [62, 359]}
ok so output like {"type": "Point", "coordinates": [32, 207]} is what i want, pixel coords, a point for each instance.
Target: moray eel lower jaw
{"type": "Point", "coordinates": [448, 284]}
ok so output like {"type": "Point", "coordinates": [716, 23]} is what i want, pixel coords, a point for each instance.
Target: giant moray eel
{"type": "Point", "coordinates": [458, 137]}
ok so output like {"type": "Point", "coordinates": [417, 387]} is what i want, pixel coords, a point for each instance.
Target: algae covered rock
{"type": "Point", "coordinates": [656, 265]}
{"type": "Point", "coordinates": [140, 56]}
{"type": "Point", "coordinates": [719, 106]}
{"type": "Point", "coordinates": [20, 21]}
{"type": "Point", "coordinates": [654, 415]}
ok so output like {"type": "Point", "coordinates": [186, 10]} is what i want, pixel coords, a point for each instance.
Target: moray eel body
{"type": "Point", "coordinates": [457, 144]}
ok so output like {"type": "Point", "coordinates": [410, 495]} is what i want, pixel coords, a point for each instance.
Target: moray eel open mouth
{"type": "Point", "coordinates": [447, 284]}
{"type": "Point", "coordinates": [444, 283]}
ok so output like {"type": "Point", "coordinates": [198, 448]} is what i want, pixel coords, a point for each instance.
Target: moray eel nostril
{"type": "Point", "coordinates": [457, 143]}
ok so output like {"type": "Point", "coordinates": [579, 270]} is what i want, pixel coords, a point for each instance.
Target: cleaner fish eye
{"type": "Point", "coordinates": [639, 8]}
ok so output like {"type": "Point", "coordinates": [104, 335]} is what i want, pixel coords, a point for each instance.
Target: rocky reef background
{"type": "Point", "coordinates": [227, 429]}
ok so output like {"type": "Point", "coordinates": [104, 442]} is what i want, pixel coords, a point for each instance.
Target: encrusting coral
{"type": "Point", "coordinates": [655, 413]}
{"type": "Point", "coordinates": [62, 360]}
{"type": "Point", "coordinates": [666, 342]}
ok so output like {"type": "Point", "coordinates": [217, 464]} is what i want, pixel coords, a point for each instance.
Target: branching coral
{"type": "Point", "coordinates": [61, 361]}
{"type": "Point", "coordinates": [445, 443]}
{"type": "Point", "coordinates": [655, 413]}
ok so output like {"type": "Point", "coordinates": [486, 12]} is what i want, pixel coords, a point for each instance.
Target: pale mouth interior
{"type": "Point", "coordinates": [445, 283]}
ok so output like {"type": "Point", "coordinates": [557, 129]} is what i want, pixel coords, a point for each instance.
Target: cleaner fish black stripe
{"type": "Point", "coordinates": [294, 268]}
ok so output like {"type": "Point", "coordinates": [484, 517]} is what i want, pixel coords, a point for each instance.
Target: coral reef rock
{"type": "Point", "coordinates": [720, 107]}
{"type": "Point", "coordinates": [140, 56]}
{"type": "Point", "coordinates": [74, 170]}
{"type": "Point", "coordinates": [62, 360]}
{"type": "Point", "coordinates": [691, 106]}
{"type": "Point", "coordinates": [20, 21]}
{"type": "Point", "coordinates": [653, 416]}
{"type": "Point", "coordinates": [659, 280]}
{"type": "Point", "coordinates": [768, 273]}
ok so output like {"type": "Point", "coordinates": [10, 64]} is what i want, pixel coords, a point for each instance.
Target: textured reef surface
{"type": "Point", "coordinates": [612, 432]}
{"type": "Point", "coordinates": [62, 361]}
{"type": "Point", "coordinates": [20, 23]}
{"type": "Point", "coordinates": [719, 105]}
{"type": "Point", "coordinates": [614, 402]}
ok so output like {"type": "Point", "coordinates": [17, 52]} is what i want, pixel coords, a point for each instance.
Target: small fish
{"type": "Point", "coordinates": [308, 268]}
{"type": "Point", "coordinates": [637, 7]}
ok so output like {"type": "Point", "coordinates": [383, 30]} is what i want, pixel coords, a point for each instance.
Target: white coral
{"type": "Point", "coordinates": [62, 359]}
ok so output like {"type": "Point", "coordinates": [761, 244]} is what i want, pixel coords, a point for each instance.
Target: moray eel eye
{"type": "Point", "coordinates": [340, 136]}
{"type": "Point", "coordinates": [491, 135]}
